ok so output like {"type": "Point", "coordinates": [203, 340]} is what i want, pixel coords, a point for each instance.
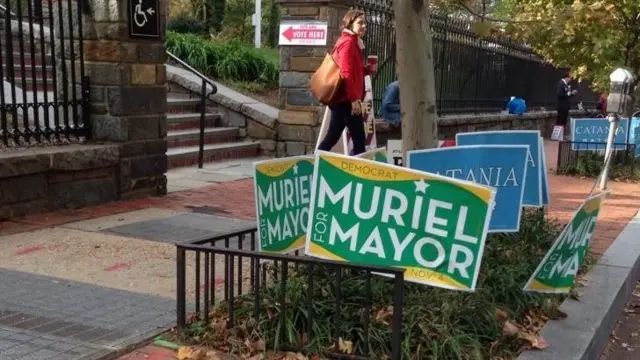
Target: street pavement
{"type": "Point", "coordinates": [86, 283]}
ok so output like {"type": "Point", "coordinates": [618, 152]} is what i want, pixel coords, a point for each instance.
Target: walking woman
{"type": "Point", "coordinates": [348, 110]}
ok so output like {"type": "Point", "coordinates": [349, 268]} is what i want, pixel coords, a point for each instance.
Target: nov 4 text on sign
{"type": "Point", "coordinates": [304, 33]}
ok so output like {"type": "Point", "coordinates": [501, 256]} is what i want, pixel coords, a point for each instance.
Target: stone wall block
{"type": "Point", "coordinates": [85, 158]}
{"type": "Point", "coordinates": [23, 188]}
{"type": "Point", "coordinates": [148, 166]}
{"type": "Point", "coordinates": [133, 100]}
{"type": "Point", "coordinates": [258, 131]}
{"type": "Point", "coordinates": [296, 133]}
{"type": "Point", "coordinates": [297, 117]}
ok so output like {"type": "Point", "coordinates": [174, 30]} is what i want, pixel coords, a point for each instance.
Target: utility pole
{"type": "Point", "coordinates": [414, 54]}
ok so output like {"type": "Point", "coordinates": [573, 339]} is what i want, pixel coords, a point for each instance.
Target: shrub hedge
{"type": "Point", "coordinates": [231, 61]}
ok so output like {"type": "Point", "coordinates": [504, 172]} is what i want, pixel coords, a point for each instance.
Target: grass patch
{"type": "Point", "coordinates": [226, 61]}
{"type": "Point", "coordinates": [624, 166]}
{"type": "Point", "coordinates": [497, 321]}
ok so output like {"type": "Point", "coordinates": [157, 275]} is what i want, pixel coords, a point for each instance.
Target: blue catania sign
{"type": "Point", "coordinates": [592, 134]}
{"type": "Point", "coordinates": [503, 167]}
{"type": "Point", "coordinates": [535, 183]}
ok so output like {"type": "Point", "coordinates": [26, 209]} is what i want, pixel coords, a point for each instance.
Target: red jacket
{"type": "Point", "coordinates": [348, 56]}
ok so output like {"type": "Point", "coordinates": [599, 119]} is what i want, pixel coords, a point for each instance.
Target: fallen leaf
{"type": "Point", "coordinates": [345, 346]}
{"type": "Point", "coordinates": [294, 356]}
{"type": "Point", "coordinates": [190, 353]}
{"type": "Point", "coordinates": [254, 346]}
{"type": "Point", "coordinates": [501, 315]}
{"type": "Point", "coordinates": [383, 315]}
{"type": "Point", "coordinates": [510, 329]}
{"type": "Point", "coordinates": [536, 341]}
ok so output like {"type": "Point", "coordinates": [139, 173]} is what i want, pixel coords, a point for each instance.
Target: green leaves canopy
{"type": "Point", "coordinates": [592, 37]}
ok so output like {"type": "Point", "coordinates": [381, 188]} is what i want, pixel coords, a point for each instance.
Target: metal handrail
{"type": "Point", "coordinates": [4, 9]}
{"type": "Point", "coordinates": [203, 101]}
{"type": "Point", "coordinates": [195, 72]}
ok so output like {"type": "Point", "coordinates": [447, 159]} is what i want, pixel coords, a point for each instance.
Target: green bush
{"type": "Point", "coordinates": [231, 61]}
{"type": "Point", "coordinates": [186, 24]}
{"type": "Point", "coordinates": [438, 324]}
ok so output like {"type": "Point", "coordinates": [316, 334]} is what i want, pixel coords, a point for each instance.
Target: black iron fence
{"type": "Point", "coordinates": [587, 159]}
{"type": "Point", "coordinates": [472, 73]}
{"type": "Point", "coordinates": [256, 287]}
{"type": "Point", "coordinates": [44, 97]}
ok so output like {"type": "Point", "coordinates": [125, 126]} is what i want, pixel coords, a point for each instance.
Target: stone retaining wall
{"type": "Point", "coordinates": [52, 178]}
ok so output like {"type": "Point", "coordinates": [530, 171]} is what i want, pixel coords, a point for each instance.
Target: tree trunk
{"type": "Point", "coordinates": [415, 75]}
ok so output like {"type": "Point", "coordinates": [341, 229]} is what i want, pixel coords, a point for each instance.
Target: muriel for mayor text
{"type": "Point", "coordinates": [425, 235]}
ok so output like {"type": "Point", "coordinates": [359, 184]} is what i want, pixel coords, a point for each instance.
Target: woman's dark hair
{"type": "Point", "coordinates": [350, 17]}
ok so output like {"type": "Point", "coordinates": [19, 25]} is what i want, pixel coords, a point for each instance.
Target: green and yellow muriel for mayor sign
{"type": "Point", "coordinates": [373, 213]}
{"type": "Point", "coordinates": [558, 269]}
{"type": "Point", "coordinates": [282, 197]}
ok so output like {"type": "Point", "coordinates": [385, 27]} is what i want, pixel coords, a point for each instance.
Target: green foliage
{"type": "Point", "coordinates": [623, 166]}
{"type": "Point", "coordinates": [186, 24]}
{"type": "Point", "coordinates": [231, 61]}
{"type": "Point", "coordinates": [438, 323]}
{"type": "Point", "coordinates": [216, 10]}
{"type": "Point", "coordinates": [592, 37]}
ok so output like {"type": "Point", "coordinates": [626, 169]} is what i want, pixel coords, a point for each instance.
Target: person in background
{"type": "Point", "coordinates": [390, 107]}
{"type": "Point", "coordinates": [516, 106]}
{"type": "Point", "coordinates": [563, 95]}
{"type": "Point", "coordinates": [348, 110]}
{"type": "Point", "coordinates": [602, 104]}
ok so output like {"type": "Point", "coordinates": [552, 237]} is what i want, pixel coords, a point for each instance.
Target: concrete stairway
{"type": "Point", "coordinates": [183, 135]}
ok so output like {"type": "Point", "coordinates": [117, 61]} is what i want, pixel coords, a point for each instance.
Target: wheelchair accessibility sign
{"type": "Point", "coordinates": [144, 19]}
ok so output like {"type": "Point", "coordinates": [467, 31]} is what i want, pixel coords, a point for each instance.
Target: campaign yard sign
{"type": "Point", "coordinates": [557, 271]}
{"type": "Point", "coordinates": [533, 183]}
{"type": "Point", "coordinates": [545, 177]}
{"type": "Point", "coordinates": [372, 213]}
{"type": "Point", "coordinates": [596, 131]}
{"type": "Point", "coordinates": [634, 134]}
{"type": "Point", "coordinates": [379, 154]}
{"type": "Point", "coordinates": [503, 167]}
{"type": "Point", "coordinates": [282, 196]}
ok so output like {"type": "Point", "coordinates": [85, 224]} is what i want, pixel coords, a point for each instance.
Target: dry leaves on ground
{"type": "Point", "coordinates": [345, 346]}
{"type": "Point", "coordinates": [527, 331]}
{"type": "Point", "coordinates": [192, 353]}
{"type": "Point", "coordinates": [383, 315]}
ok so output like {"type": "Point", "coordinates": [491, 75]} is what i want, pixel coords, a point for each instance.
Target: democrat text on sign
{"type": "Point", "coordinates": [282, 196]}
{"type": "Point", "coordinates": [503, 167]}
{"type": "Point", "coordinates": [373, 213]}
{"type": "Point", "coordinates": [533, 184]}
{"type": "Point", "coordinates": [557, 271]}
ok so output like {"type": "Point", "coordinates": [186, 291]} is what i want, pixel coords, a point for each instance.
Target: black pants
{"type": "Point", "coordinates": [562, 117]}
{"type": "Point", "coordinates": [340, 118]}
